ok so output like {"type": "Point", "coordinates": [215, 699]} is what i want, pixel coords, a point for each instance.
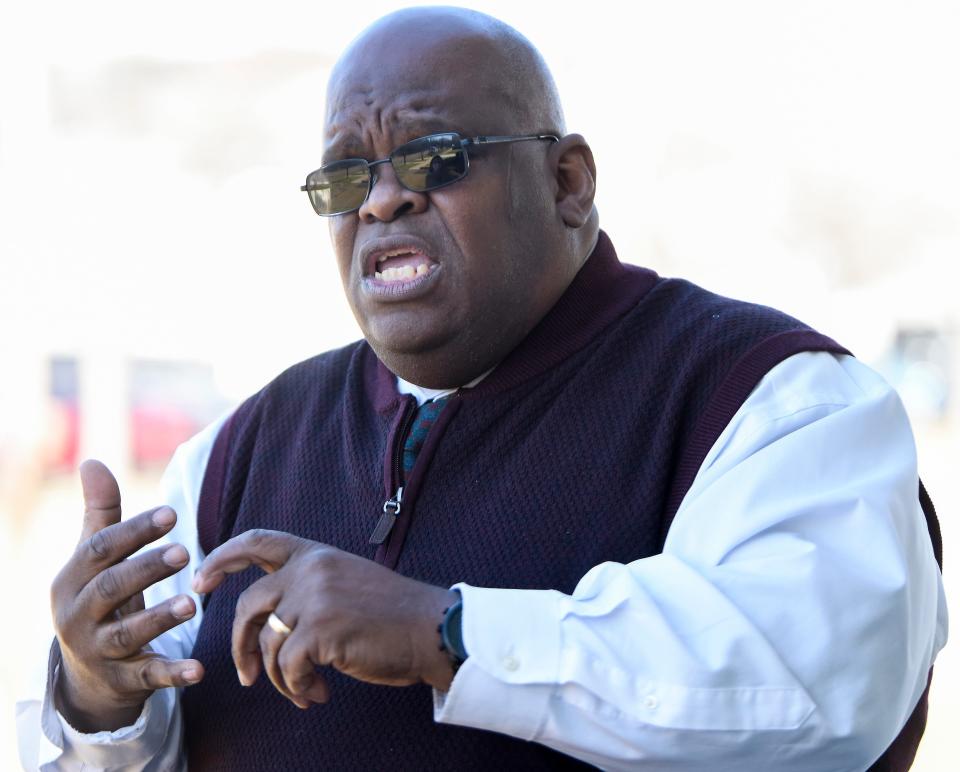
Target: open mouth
{"type": "Point", "coordinates": [403, 264]}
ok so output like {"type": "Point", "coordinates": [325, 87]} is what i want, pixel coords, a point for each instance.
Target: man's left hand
{"type": "Point", "coordinates": [344, 610]}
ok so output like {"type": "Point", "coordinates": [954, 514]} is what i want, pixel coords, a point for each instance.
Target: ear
{"type": "Point", "coordinates": [576, 177]}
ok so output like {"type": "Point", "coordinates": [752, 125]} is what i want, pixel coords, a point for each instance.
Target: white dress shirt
{"type": "Point", "coordinates": [789, 623]}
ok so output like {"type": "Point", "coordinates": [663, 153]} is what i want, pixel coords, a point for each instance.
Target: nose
{"type": "Point", "coordinates": [388, 199]}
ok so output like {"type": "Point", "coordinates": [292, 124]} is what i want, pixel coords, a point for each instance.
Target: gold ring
{"type": "Point", "coordinates": [278, 625]}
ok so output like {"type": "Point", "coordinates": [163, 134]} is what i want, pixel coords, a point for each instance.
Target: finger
{"type": "Point", "coordinates": [271, 644]}
{"type": "Point", "coordinates": [114, 586]}
{"type": "Point", "coordinates": [130, 634]}
{"type": "Point", "coordinates": [253, 607]}
{"type": "Point", "coordinates": [267, 549]}
{"type": "Point", "coordinates": [114, 543]}
{"type": "Point", "coordinates": [151, 671]}
{"type": "Point", "coordinates": [298, 670]}
{"type": "Point", "coordinates": [101, 497]}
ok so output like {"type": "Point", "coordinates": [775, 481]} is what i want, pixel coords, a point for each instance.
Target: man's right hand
{"type": "Point", "coordinates": [108, 670]}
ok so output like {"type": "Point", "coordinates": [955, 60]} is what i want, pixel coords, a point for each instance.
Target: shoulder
{"type": "Point", "coordinates": [323, 370]}
{"type": "Point", "coordinates": [689, 308]}
{"type": "Point", "coordinates": [805, 387]}
{"type": "Point", "coordinates": [714, 344]}
{"type": "Point", "coordinates": [713, 351]}
{"type": "Point", "coordinates": [812, 378]}
{"type": "Point", "coordinates": [311, 382]}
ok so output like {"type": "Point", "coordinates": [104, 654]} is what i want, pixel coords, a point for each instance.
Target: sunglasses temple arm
{"type": "Point", "coordinates": [495, 140]}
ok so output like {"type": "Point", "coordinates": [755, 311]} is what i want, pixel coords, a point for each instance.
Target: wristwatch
{"type": "Point", "coordinates": [451, 634]}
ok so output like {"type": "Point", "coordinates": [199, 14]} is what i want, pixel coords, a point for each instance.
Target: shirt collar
{"type": "Point", "coordinates": [423, 394]}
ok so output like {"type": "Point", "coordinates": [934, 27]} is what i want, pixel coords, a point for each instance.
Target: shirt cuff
{"type": "Point", "coordinates": [128, 746]}
{"type": "Point", "coordinates": [505, 635]}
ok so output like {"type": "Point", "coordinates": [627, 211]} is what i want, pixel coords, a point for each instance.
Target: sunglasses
{"type": "Point", "coordinates": [423, 164]}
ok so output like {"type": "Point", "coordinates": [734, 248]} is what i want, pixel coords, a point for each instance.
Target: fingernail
{"type": "Point", "coordinates": [175, 556]}
{"type": "Point", "coordinates": [182, 607]}
{"type": "Point", "coordinates": [244, 681]}
{"type": "Point", "coordinates": [191, 674]}
{"type": "Point", "coordinates": [164, 517]}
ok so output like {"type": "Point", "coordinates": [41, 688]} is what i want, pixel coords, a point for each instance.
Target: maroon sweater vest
{"type": "Point", "coordinates": [576, 450]}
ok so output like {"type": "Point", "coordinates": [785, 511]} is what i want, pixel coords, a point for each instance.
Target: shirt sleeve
{"type": "Point", "coordinates": [789, 623]}
{"type": "Point", "coordinates": [47, 740]}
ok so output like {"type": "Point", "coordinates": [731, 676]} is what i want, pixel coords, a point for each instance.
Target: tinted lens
{"type": "Point", "coordinates": [339, 187]}
{"type": "Point", "coordinates": [430, 162]}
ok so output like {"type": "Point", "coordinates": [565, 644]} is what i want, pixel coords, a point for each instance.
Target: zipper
{"type": "Point", "coordinates": [391, 507]}
{"type": "Point", "coordinates": [391, 531]}
{"type": "Point", "coordinates": [391, 511]}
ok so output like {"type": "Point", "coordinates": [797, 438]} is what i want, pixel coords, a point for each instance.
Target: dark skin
{"type": "Point", "coordinates": [98, 611]}
{"type": "Point", "coordinates": [507, 241]}
{"type": "Point", "coordinates": [346, 612]}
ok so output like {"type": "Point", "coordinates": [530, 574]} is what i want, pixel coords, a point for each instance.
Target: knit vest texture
{"type": "Point", "coordinates": [577, 449]}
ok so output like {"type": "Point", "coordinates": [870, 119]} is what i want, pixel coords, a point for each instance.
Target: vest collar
{"type": "Point", "coordinates": [602, 291]}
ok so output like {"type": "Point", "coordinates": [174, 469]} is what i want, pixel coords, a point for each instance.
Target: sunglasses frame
{"type": "Point", "coordinates": [460, 143]}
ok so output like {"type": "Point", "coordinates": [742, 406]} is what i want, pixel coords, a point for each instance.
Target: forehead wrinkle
{"type": "Point", "coordinates": [363, 98]}
{"type": "Point", "coordinates": [414, 115]}
{"type": "Point", "coordinates": [418, 107]}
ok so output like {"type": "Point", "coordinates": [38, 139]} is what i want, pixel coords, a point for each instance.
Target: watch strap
{"type": "Point", "coordinates": [451, 634]}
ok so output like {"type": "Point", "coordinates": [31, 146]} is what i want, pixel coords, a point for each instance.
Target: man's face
{"type": "Point", "coordinates": [482, 239]}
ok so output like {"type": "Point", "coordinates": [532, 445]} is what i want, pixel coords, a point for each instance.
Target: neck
{"type": "Point", "coordinates": [448, 368]}
{"type": "Point", "coordinates": [601, 292]}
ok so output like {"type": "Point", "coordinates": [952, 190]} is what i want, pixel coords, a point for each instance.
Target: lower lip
{"type": "Point", "coordinates": [406, 289]}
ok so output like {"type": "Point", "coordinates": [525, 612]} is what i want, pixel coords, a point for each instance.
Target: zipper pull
{"type": "Point", "coordinates": [391, 510]}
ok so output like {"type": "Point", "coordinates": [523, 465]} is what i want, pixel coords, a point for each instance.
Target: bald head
{"type": "Point", "coordinates": [488, 61]}
{"type": "Point", "coordinates": [492, 250]}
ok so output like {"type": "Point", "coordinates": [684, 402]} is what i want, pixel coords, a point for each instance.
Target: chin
{"type": "Point", "coordinates": [409, 331]}
{"type": "Point", "coordinates": [412, 344]}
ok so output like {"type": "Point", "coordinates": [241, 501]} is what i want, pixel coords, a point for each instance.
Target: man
{"type": "Point", "coordinates": [703, 515]}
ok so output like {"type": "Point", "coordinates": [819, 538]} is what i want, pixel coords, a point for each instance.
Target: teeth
{"type": "Point", "coordinates": [404, 273]}
{"type": "Point", "coordinates": [395, 253]}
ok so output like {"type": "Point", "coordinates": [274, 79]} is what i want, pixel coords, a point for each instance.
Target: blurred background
{"type": "Point", "coordinates": [158, 262]}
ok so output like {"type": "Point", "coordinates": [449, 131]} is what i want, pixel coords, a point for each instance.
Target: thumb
{"type": "Point", "coordinates": [101, 498]}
